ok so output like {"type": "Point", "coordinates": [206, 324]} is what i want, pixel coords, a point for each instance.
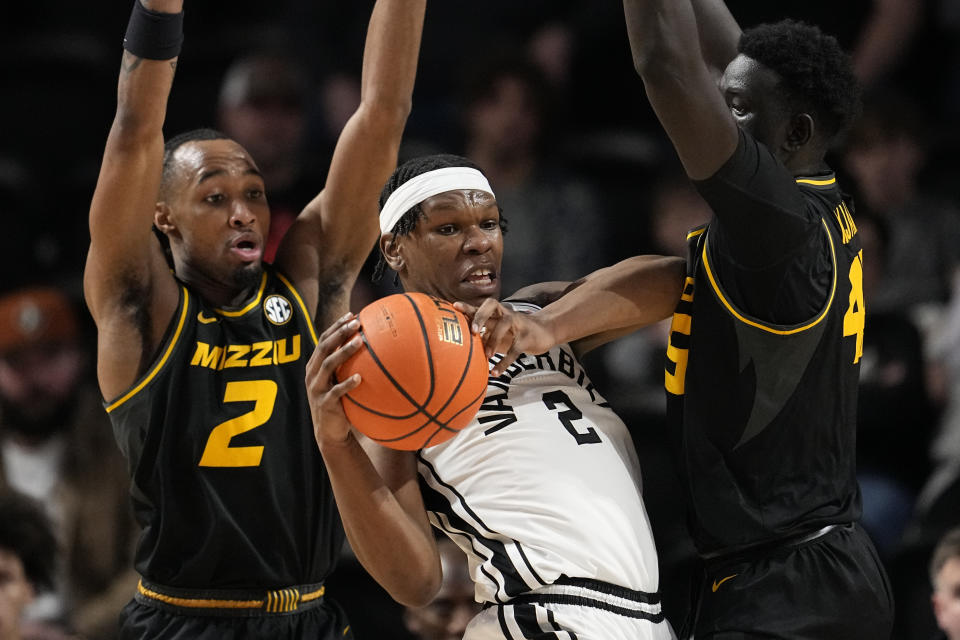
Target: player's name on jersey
{"type": "Point", "coordinates": [258, 354]}
{"type": "Point", "coordinates": [496, 409]}
{"type": "Point", "coordinates": [848, 228]}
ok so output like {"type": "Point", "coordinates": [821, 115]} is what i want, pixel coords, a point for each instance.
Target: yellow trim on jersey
{"type": "Point", "coordinates": [277, 601]}
{"type": "Point", "coordinates": [817, 183]}
{"type": "Point", "coordinates": [753, 323]}
{"type": "Point", "coordinates": [150, 376]}
{"type": "Point", "coordinates": [306, 313]}
{"type": "Point", "coordinates": [696, 232]}
{"type": "Point", "coordinates": [251, 305]}
{"type": "Point", "coordinates": [313, 595]}
{"type": "Point", "coordinates": [199, 603]}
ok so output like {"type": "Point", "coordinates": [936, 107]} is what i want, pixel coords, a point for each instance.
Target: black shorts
{"type": "Point", "coordinates": [830, 588]}
{"type": "Point", "coordinates": [147, 618]}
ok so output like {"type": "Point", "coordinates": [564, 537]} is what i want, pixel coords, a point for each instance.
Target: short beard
{"type": "Point", "coordinates": [248, 276]}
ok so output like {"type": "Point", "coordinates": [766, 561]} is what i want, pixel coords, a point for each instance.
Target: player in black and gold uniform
{"type": "Point", "coordinates": [217, 416]}
{"type": "Point", "coordinates": [763, 361]}
{"type": "Point", "coordinates": [203, 367]}
{"type": "Point", "coordinates": [762, 373]}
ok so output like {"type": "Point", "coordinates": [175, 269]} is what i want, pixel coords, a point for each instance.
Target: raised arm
{"type": "Point", "coordinates": [679, 84]}
{"type": "Point", "coordinates": [328, 244]}
{"type": "Point", "coordinates": [127, 284]}
{"type": "Point", "coordinates": [718, 33]}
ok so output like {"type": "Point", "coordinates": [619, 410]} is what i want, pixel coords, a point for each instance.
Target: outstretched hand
{"type": "Point", "coordinates": [506, 331]}
{"type": "Point", "coordinates": [340, 341]}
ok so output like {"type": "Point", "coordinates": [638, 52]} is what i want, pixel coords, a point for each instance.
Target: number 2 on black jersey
{"type": "Point", "coordinates": [218, 452]}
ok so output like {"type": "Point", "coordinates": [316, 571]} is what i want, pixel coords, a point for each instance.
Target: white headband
{"type": "Point", "coordinates": [417, 189]}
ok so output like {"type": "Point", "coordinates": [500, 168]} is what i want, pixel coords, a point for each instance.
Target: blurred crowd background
{"type": "Point", "coordinates": [542, 94]}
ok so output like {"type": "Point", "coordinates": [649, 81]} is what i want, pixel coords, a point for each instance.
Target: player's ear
{"type": "Point", "coordinates": [937, 605]}
{"type": "Point", "coordinates": [161, 217]}
{"type": "Point", "coordinates": [800, 133]}
{"type": "Point", "coordinates": [390, 248]}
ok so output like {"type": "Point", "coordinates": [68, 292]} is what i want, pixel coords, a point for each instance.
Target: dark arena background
{"type": "Point", "coordinates": [543, 95]}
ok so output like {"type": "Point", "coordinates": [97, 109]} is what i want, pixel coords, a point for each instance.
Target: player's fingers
{"type": "Point", "coordinates": [499, 337]}
{"type": "Point", "coordinates": [510, 354]}
{"type": "Point", "coordinates": [334, 339]}
{"type": "Point", "coordinates": [314, 362]}
{"type": "Point", "coordinates": [337, 324]}
{"type": "Point", "coordinates": [342, 388]}
{"type": "Point", "coordinates": [466, 309]}
{"type": "Point", "coordinates": [333, 361]}
{"type": "Point", "coordinates": [486, 315]}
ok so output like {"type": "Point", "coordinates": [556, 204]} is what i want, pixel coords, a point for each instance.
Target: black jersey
{"type": "Point", "coordinates": [228, 483]}
{"type": "Point", "coordinates": [763, 362]}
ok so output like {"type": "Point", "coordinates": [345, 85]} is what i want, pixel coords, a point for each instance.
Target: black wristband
{"type": "Point", "coordinates": [153, 35]}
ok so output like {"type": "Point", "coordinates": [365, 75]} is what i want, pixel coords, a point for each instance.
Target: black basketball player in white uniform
{"type": "Point", "coordinates": [542, 490]}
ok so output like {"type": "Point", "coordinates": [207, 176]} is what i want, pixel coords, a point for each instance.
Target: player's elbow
{"type": "Point", "coordinates": [133, 131]}
{"type": "Point", "coordinates": [653, 55]}
{"type": "Point", "coordinates": [417, 588]}
{"type": "Point", "coordinates": [642, 60]}
{"type": "Point", "coordinates": [388, 116]}
{"type": "Point", "coordinates": [410, 574]}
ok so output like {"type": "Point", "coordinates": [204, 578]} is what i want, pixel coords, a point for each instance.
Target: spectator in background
{"type": "Point", "coordinates": [28, 552]}
{"type": "Point", "coordinates": [635, 362]}
{"type": "Point", "coordinates": [944, 352]}
{"type": "Point", "coordinates": [56, 446]}
{"type": "Point", "coordinates": [879, 34]}
{"type": "Point", "coordinates": [447, 616]}
{"type": "Point", "coordinates": [554, 219]}
{"type": "Point", "coordinates": [945, 576]}
{"type": "Point", "coordinates": [937, 506]}
{"type": "Point", "coordinates": [263, 105]}
{"type": "Point", "coordinates": [895, 413]}
{"type": "Point", "coordinates": [267, 103]}
{"type": "Point", "coordinates": [886, 154]}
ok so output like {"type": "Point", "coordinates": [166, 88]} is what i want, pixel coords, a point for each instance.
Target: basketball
{"type": "Point", "coordinates": [423, 374]}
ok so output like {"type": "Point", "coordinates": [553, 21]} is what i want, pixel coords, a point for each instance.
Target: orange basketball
{"type": "Point", "coordinates": [423, 374]}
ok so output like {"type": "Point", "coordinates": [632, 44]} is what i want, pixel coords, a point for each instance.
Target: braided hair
{"type": "Point", "coordinates": [407, 171]}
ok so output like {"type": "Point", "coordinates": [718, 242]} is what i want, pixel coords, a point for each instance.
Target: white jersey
{"type": "Point", "coordinates": [543, 486]}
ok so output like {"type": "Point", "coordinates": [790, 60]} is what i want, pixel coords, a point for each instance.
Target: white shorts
{"type": "Point", "coordinates": [566, 612]}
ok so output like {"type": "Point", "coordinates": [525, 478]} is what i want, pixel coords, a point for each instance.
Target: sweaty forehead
{"type": "Point", "coordinates": [199, 157]}
{"type": "Point", "coordinates": [458, 199]}
{"type": "Point", "coordinates": [746, 74]}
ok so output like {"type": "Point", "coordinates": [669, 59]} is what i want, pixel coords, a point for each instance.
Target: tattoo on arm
{"type": "Point", "coordinates": [129, 62]}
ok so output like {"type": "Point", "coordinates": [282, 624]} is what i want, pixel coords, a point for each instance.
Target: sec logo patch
{"type": "Point", "coordinates": [277, 309]}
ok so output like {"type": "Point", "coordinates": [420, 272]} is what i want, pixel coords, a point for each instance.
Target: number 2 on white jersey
{"type": "Point", "coordinates": [553, 399]}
